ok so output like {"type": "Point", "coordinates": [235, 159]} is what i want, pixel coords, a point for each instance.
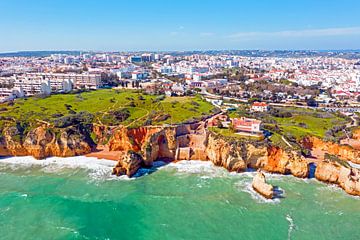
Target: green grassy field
{"type": "Point", "coordinates": [230, 134]}
{"type": "Point", "coordinates": [300, 123]}
{"type": "Point", "coordinates": [313, 126]}
{"type": "Point", "coordinates": [104, 104]}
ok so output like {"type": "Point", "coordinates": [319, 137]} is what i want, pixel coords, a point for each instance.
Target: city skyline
{"type": "Point", "coordinates": [178, 25]}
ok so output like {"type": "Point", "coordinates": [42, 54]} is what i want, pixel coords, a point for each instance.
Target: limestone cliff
{"type": "Point", "coordinates": [142, 146]}
{"type": "Point", "coordinates": [284, 162]}
{"type": "Point", "coordinates": [194, 142]}
{"type": "Point", "coordinates": [42, 142]}
{"type": "Point", "coordinates": [346, 177]}
{"type": "Point", "coordinates": [344, 152]}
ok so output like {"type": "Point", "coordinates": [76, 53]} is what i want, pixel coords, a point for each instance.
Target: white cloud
{"type": "Point", "coordinates": [297, 33]}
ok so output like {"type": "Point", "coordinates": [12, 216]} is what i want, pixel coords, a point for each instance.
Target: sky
{"type": "Point", "coordinates": [164, 25]}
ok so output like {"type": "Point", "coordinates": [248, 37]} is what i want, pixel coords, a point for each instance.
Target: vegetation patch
{"type": "Point", "coordinates": [106, 106]}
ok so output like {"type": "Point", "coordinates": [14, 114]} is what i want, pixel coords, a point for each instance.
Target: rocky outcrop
{"type": "Point", "coordinates": [142, 146]}
{"type": "Point", "coordinates": [194, 142]}
{"type": "Point", "coordinates": [129, 165]}
{"type": "Point", "coordinates": [259, 184]}
{"type": "Point", "coordinates": [284, 162]}
{"type": "Point", "coordinates": [10, 144]}
{"type": "Point", "coordinates": [346, 177]}
{"type": "Point", "coordinates": [103, 133]}
{"type": "Point", "coordinates": [42, 142]}
{"type": "Point", "coordinates": [356, 134]}
{"type": "Point", "coordinates": [344, 152]}
{"type": "Point", "coordinates": [153, 143]}
{"type": "Point", "coordinates": [229, 155]}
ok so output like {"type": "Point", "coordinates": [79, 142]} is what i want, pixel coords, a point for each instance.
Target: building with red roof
{"type": "Point", "coordinates": [248, 125]}
{"type": "Point", "coordinates": [259, 107]}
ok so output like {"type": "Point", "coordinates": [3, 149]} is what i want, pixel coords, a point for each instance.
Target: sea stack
{"type": "Point", "coordinates": [259, 184]}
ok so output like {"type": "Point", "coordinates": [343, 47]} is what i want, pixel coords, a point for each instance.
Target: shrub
{"type": "Point", "coordinates": [194, 103]}
{"type": "Point", "coordinates": [280, 114]}
{"type": "Point", "coordinates": [160, 98]}
{"type": "Point", "coordinates": [121, 115]}
{"type": "Point", "coordinates": [131, 104]}
{"type": "Point", "coordinates": [81, 118]}
{"type": "Point", "coordinates": [303, 125]}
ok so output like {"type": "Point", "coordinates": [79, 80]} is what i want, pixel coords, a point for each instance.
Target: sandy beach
{"type": "Point", "coordinates": [103, 152]}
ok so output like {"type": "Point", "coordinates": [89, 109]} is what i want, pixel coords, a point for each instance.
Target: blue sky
{"type": "Point", "coordinates": [121, 25]}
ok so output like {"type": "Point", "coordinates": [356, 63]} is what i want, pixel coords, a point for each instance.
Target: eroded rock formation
{"type": "Point", "coordinates": [194, 142]}
{"type": "Point", "coordinates": [42, 142]}
{"type": "Point", "coordinates": [261, 186]}
{"type": "Point", "coordinates": [142, 146]}
{"type": "Point", "coordinates": [342, 151]}
{"type": "Point", "coordinates": [129, 165]}
{"type": "Point", "coordinates": [346, 177]}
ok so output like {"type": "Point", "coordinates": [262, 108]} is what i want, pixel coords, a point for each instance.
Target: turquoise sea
{"type": "Point", "coordinates": [77, 198]}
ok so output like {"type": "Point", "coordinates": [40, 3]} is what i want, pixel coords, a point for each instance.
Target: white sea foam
{"type": "Point", "coordinates": [246, 186]}
{"type": "Point", "coordinates": [291, 225]}
{"type": "Point", "coordinates": [335, 188]}
{"type": "Point", "coordinates": [97, 168]}
{"type": "Point", "coordinates": [205, 169]}
{"type": "Point", "coordinates": [67, 229]}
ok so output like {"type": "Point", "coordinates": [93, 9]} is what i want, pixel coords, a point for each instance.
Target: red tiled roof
{"type": "Point", "coordinates": [259, 104]}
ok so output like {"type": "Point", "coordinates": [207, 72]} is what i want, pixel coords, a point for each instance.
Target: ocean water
{"type": "Point", "coordinates": [77, 198]}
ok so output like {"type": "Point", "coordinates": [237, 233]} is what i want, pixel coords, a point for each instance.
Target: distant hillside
{"type": "Point", "coordinates": [37, 53]}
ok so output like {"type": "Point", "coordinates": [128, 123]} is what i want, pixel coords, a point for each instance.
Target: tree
{"type": "Point", "coordinates": [311, 102]}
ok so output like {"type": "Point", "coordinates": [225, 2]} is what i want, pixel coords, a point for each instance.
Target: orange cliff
{"type": "Point", "coordinates": [140, 147]}
{"type": "Point", "coordinates": [194, 142]}
{"type": "Point", "coordinates": [344, 152]}
{"type": "Point", "coordinates": [42, 142]}
{"type": "Point", "coordinates": [335, 173]}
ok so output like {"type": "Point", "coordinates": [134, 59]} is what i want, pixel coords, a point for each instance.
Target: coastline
{"type": "Point", "coordinates": [101, 169]}
{"type": "Point", "coordinates": [198, 189]}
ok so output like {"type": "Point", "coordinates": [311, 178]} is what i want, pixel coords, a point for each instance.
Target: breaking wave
{"type": "Point", "coordinates": [246, 186]}
{"type": "Point", "coordinates": [205, 169]}
{"type": "Point", "coordinates": [96, 168]}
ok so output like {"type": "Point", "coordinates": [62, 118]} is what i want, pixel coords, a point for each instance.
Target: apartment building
{"type": "Point", "coordinates": [68, 81]}
{"type": "Point", "coordinates": [8, 94]}
{"type": "Point", "coordinates": [33, 86]}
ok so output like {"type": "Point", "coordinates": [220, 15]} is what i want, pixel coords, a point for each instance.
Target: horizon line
{"type": "Point", "coordinates": [190, 50]}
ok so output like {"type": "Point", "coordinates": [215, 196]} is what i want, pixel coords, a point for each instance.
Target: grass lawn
{"type": "Point", "coordinates": [275, 138]}
{"type": "Point", "coordinates": [102, 104]}
{"type": "Point", "coordinates": [301, 122]}
{"type": "Point", "coordinates": [228, 133]}
{"type": "Point", "coordinates": [302, 125]}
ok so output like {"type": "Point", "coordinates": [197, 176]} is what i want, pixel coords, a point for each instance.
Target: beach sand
{"type": "Point", "coordinates": [103, 152]}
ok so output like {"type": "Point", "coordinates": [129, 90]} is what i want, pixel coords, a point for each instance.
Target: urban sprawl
{"type": "Point", "coordinates": [324, 81]}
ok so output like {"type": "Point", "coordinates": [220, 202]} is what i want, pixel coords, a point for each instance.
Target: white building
{"type": "Point", "coordinates": [33, 86]}
{"type": "Point", "coordinates": [259, 107]}
{"type": "Point", "coordinates": [7, 94]}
